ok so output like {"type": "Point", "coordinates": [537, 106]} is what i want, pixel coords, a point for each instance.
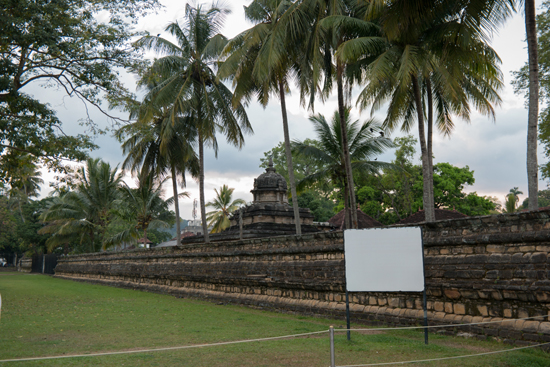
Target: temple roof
{"type": "Point", "coordinates": [270, 180]}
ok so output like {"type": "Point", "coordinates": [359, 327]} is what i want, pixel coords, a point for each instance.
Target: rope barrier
{"type": "Point", "coordinates": [161, 349]}
{"type": "Point", "coordinates": [445, 358]}
{"type": "Point", "coordinates": [442, 326]}
{"type": "Point", "coordinates": [295, 336]}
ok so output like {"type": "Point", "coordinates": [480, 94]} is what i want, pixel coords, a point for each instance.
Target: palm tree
{"type": "Point", "coordinates": [218, 219]}
{"type": "Point", "coordinates": [250, 63]}
{"type": "Point", "coordinates": [24, 178]}
{"type": "Point", "coordinates": [365, 142]}
{"type": "Point", "coordinates": [156, 145]}
{"type": "Point", "coordinates": [306, 25]}
{"type": "Point", "coordinates": [85, 213]}
{"type": "Point", "coordinates": [190, 87]}
{"type": "Point", "coordinates": [142, 208]}
{"type": "Point", "coordinates": [426, 59]}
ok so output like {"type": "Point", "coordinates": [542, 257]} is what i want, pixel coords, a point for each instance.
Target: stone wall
{"type": "Point", "coordinates": [477, 269]}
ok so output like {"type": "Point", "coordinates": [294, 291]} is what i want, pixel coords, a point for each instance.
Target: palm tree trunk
{"type": "Point", "coordinates": [201, 189]}
{"type": "Point", "coordinates": [429, 212]}
{"type": "Point", "coordinates": [532, 49]}
{"type": "Point", "coordinates": [347, 214]}
{"type": "Point", "coordinates": [343, 130]}
{"type": "Point", "coordinates": [430, 145]}
{"type": "Point", "coordinates": [289, 160]}
{"type": "Point", "coordinates": [176, 205]}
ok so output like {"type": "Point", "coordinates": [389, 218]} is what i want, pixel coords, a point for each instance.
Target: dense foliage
{"type": "Point", "coordinates": [62, 44]}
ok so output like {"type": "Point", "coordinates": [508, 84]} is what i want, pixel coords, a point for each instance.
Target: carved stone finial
{"type": "Point", "coordinates": [270, 165]}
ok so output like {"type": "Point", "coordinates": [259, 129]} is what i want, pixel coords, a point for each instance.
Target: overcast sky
{"type": "Point", "coordinates": [495, 150]}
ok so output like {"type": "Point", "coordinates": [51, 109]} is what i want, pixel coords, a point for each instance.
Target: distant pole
{"type": "Point", "coordinates": [43, 262]}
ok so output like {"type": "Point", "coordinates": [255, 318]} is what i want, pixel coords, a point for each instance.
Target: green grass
{"type": "Point", "coordinates": [44, 316]}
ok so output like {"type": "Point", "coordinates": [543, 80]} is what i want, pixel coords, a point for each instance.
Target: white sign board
{"type": "Point", "coordinates": [384, 260]}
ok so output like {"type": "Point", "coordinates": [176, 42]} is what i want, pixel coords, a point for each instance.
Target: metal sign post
{"type": "Point", "coordinates": [424, 292]}
{"type": "Point", "coordinates": [347, 315]}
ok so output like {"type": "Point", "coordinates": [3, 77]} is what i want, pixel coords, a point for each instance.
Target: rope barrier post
{"type": "Point", "coordinates": [348, 316]}
{"type": "Point", "coordinates": [331, 336]}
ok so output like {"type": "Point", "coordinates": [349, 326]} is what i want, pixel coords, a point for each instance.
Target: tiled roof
{"type": "Point", "coordinates": [364, 220]}
{"type": "Point", "coordinates": [440, 214]}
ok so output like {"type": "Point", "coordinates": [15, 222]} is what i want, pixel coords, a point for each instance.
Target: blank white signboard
{"type": "Point", "coordinates": [384, 260]}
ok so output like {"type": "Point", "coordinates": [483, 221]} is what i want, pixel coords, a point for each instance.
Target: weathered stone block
{"type": "Point", "coordinates": [459, 309]}
{"type": "Point", "coordinates": [452, 293]}
{"type": "Point", "coordinates": [482, 310]}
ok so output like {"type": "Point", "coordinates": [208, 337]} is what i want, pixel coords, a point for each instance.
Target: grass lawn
{"type": "Point", "coordinates": [44, 316]}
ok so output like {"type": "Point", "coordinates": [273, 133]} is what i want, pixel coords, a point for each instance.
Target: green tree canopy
{"type": "Point", "coordinates": [62, 44]}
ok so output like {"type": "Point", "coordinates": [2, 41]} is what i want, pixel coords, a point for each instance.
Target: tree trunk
{"type": "Point", "coordinates": [429, 213]}
{"type": "Point", "coordinates": [295, 207]}
{"type": "Point", "coordinates": [532, 163]}
{"type": "Point", "coordinates": [430, 145]}
{"type": "Point", "coordinates": [176, 205]}
{"type": "Point", "coordinates": [347, 212]}
{"type": "Point", "coordinates": [345, 146]}
{"type": "Point", "coordinates": [201, 189]}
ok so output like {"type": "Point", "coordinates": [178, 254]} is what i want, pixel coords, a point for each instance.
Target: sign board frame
{"type": "Point", "coordinates": [408, 244]}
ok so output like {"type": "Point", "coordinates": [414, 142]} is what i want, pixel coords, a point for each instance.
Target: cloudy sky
{"type": "Point", "coordinates": [495, 150]}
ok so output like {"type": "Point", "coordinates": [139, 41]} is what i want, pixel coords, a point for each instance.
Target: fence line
{"type": "Point", "coordinates": [161, 349]}
{"type": "Point", "coordinates": [295, 336]}
{"type": "Point", "coordinates": [443, 326]}
{"type": "Point", "coordinates": [445, 358]}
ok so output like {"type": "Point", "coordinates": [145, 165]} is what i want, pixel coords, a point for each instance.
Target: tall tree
{"type": "Point", "coordinates": [306, 25]}
{"type": "Point", "coordinates": [428, 58]}
{"type": "Point", "coordinates": [223, 205]}
{"type": "Point", "coordinates": [533, 78]}
{"type": "Point", "coordinates": [251, 63]}
{"type": "Point", "coordinates": [62, 43]}
{"type": "Point", "coordinates": [533, 116]}
{"type": "Point", "coordinates": [158, 145]}
{"type": "Point", "coordinates": [191, 87]}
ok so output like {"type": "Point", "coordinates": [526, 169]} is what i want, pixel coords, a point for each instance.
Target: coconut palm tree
{"type": "Point", "coordinates": [24, 178]}
{"type": "Point", "coordinates": [250, 64]}
{"type": "Point", "coordinates": [305, 25]}
{"type": "Point", "coordinates": [157, 145]}
{"type": "Point", "coordinates": [533, 116]}
{"type": "Point", "coordinates": [426, 59]}
{"type": "Point", "coordinates": [365, 143]}
{"type": "Point", "coordinates": [190, 87]}
{"type": "Point", "coordinates": [223, 206]}
{"type": "Point", "coordinates": [84, 214]}
{"type": "Point", "coordinates": [142, 208]}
